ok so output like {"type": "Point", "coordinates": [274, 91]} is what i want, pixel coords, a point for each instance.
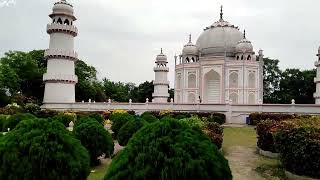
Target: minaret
{"type": "Point", "coordinates": [161, 83]}
{"type": "Point", "coordinates": [60, 78]}
{"type": "Point", "coordinates": [317, 79]}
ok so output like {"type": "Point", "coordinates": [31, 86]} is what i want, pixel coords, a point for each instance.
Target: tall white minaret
{"type": "Point", "coordinates": [60, 78]}
{"type": "Point", "coordinates": [317, 79]}
{"type": "Point", "coordinates": [161, 83]}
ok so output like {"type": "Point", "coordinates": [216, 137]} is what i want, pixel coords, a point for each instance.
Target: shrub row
{"type": "Point", "coordinates": [258, 117]}
{"type": "Point", "coordinates": [297, 140]}
{"type": "Point", "coordinates": [213, 117]}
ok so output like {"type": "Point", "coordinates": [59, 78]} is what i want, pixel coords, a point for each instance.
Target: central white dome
{"type": "Point", "coordinates": [219, 39]}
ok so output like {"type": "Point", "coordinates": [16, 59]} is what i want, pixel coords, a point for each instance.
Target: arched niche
{"type": "Point", "coordinates": [252, 80]}
{"type": "Point", "coordinates": [179, 81]}
{"type": "Point", "coordinates": [252, 98]}
{"type": "Point", "coordinates": [191, 98]}
{"type": "Point", "coordinates": [212, 87]}
{"type": "Point", "coordinates": [233, 80]}
{"type": "Point", "coordinates": [234, 98]}
{"type": "Point", "coordinates": [192, 80]}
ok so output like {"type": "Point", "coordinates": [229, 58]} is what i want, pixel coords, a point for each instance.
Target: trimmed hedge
{"type": "Point", "coordinates": [14, 120]}
{"type": "Point", "coordinates": [128, 129]}
{"type": "Point", "coordinates": [217, 119]}
{"type": "Point", "coordinates": [47, 113]}
{"type": "Point", "coordinates": [82, 120]}
{"type": "Point", "coordinates": [118, 120]}
{"type": "Point", "coordinates": [193, 121]}
{"type": "Point", "coordinates": [265, 131]}
{"type": "Point", "coordinates": [3, 119]}
{"type": "Point", "coordinates": [41, 149]}
{"type": "Point", "coordinates": [300, 150]}
{"type": "Point", "coordinates": [169, 149]}
{"type": "Point", "coordinates": [215, 132]}
{"type": "Point", "coordinates": [182, 115]}
{"type": "Point", "coordinates": [256, 118]}
{"type": "Point", "coordinates": [149, 118]}
{"type": "Point", "coordinates": [95, 139]}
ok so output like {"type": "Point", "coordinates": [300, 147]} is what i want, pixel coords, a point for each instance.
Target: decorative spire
{"type": "Point", "coordinates": [189, 38]}
{"type": "Point", "coordinates": [244, 34]}
{"type": "Point", "coordinates": [221, 13]}
{"type": "Point", "coordinates": [161, 51]}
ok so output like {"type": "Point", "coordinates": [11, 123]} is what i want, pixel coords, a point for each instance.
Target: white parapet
{"type": "Point", "coordinates": [60, 77]}
{"type": "Point", "coordinates": [53, 53]}
{"type": "Point", "coordinates": [54, 27]}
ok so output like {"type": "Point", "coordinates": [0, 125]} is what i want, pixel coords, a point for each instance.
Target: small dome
{"type": "Point", "coordinates": [63, 7]}
{"type": "Point", "coordinates": [244, 46]}
{"type": "Point", "coordinates": [190, 48]}
{"type": "Point", "coordinates": [161, 57]}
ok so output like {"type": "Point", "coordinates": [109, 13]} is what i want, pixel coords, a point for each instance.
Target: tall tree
{"type": "Point", "coordinates": [271, 81]}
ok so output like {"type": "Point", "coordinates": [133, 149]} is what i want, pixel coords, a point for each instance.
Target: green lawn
{"type": "Point", "coordinates": [239, 136]}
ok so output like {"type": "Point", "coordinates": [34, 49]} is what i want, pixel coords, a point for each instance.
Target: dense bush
{"type": "Point", "coordinates": [65, 118]}
{"type": "Point", "coordinates": [169, 149]}
{"type": "Point", "coordinates": [183, 115]}
{"type": "Point", "coordinates": [299, 149]}
{"type": "Point", "coordinates": [215, 132]}
{"type": "Point", "coordinates": [32, 108]}
{"type": "Point", "coordinates": [128, 129]}
{"type": "Point", "coordinates": [47, 113]}
{"type": "Point", "coordinates": [40, 149]}
{"type": "Point", "coordinates": [14, 120]}
{"type": "Point", "coordinates": [118, 120]}
{"type": "Point", "coordinates": [258, 117]}
{"type": "Point", "coordinates": [149, 118]}
{"type": "Point", "coordinates": [11, 109]}
{"type": "Point", "coordinates": [3, 119]}
{"type": "Point", "coordinates": [98, 117]}
{"type": "Point", "coordinates": [217, 119]}
{"type": "Point", "coordinates": [95, 139]}
{"type": "Point", "coordinates": [193, 121]}
{"type": "Point", "coordinates": [265, 131]}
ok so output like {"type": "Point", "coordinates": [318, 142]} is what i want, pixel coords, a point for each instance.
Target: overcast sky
{"type": "Point", "coordinates": [121, 38]}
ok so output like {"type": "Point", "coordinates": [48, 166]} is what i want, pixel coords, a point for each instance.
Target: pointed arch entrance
{"type": "Point", "coordinates": [212, 87]}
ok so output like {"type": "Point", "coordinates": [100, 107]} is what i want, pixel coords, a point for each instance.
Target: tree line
{"type": "Point", "coordinates": [21, 82]}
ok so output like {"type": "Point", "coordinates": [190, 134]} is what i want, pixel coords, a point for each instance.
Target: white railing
{"type": "Point", "coordinates": [161, 82]}
{"type": "Point", "coordinates": [60, 77]}
{"type": "Point", "coordinates": [59, 52]}
{"type": "Point", "coordinates": [161, 69]}
{"type": "Point", "coordinates": [61, 27]}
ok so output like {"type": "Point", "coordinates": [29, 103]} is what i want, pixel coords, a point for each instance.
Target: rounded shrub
{"type": "Point", "coordinates": [193, 121]}
{"type": "Point", "coordinates": [300, 150]}
{"type": "Point", "coordinates": [265, 131]}
{"type": "Point", "coordinates": [118, 120]}
{"type": "Point", "coordinates": [169, 149]}
{"type": "Point", "coordinates": [95, 139]}
{"type": "Point", "coordinates": [128, 129]}
{"type": "Point", "coordinates": [149, 118]}
{"type": "Point", "coordinates": [216, 119]}
{"type": "Point", "coordinates": [83, 119]}
{"type": "Point", "coordinates": [14, 120]}
{"type": "Point", "coordinates": [65, 118]}
{"type": "Point", "coordinates": [98, 117]}
{"type": "Point", "coordinates": [3, 119]}
{"type": "Point", "coordinates": [41, 149]}
{"type": "Point", "coordinates": [32, 108]}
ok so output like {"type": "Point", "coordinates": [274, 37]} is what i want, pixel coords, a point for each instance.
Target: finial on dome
{"type": "Point", "coordinates": [244, 34]}
{"type": "Point", "coordinates": [161, 51]}
{"type": "Point", "coordinates": [221, 13]}
{"type": "Point", "coordinates": [189, 38]}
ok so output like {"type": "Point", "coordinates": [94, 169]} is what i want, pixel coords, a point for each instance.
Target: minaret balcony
{"type": "Point", "coordinates": [60, 78]}
{"type": "Point", "coordinates": [317, 80]}
{"type": "Point", "coordinates": [54, 27]}
{"type": "Point", "coordinates": [161, 69]}
{"type": "Point", "coordinates": [161, 83]}
{"type": "Point", "coordinates": [317, 63]}
{"type": "Point", "coordinates": [60, 54]}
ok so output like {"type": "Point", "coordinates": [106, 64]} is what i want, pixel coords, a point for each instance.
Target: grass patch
{"type": "Point", "coordinates": [100, 171]}
{"type": "Point", "coordinates": [242, 136]}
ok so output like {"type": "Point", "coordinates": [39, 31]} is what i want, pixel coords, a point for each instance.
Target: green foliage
{"type": "Point", "coordinates": [258, 117]}
{"type": "Point", "coordinates": [128, 129]}
{"type": "Point", "coordinates": [118, 120]}
{"type": "Point", "coordinates": [265, 131]}
{"type": "Point", "coordinates": [218, 119]}
{"type": "Point", "coordinates": [300, 150]}
{"type": "Point", "coordinates": [98, 117]}
{"type": "Point", "coordinates": [168, 149]}
{"type": "Point", "coordinates": [14, 120]}
{"type": "Point", "coordinates": [40, 149]}
{"type": "Point", "coordinates": [32, 108]}
{"type": "Point", "coordinates": [271, 79]}
{"type": "Point", "coordinates": [215, 132]}
{"type": "Point", "coordinates": [83, 119]}
{"type": "Point", "coordinates": [95, 139]}
{"type": "Point", "coordinates": [65, 118]}
{"type": "Point", "coordinates": [3, 119]}
{"type": "Point", "coordinates": [193, 121]}
{"type": "Point", "coordinates": [149, 118]}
